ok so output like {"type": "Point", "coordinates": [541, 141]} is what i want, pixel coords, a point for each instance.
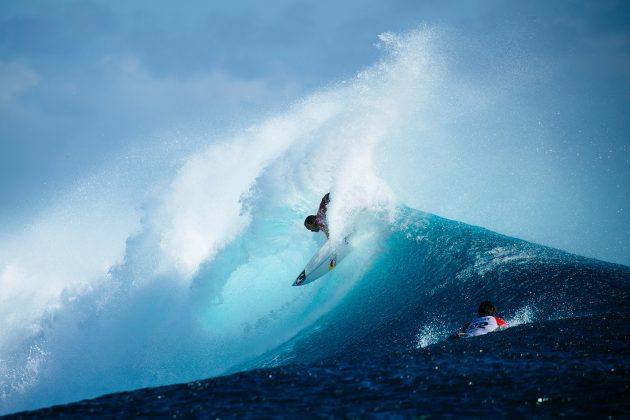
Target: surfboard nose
{"type": "Point", "coordinates": [300, 278]}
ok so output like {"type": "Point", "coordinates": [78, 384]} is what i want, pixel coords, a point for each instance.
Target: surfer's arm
{"type": "Point", "coordinates": [322, 223]}
{"type": "Point", "coordinates": [323, 207]}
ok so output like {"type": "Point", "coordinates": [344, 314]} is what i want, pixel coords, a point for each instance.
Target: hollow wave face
{"type": "Point", "coordinates": [427, 278]}
{"type": "Point", "coordinates": [114, 288]}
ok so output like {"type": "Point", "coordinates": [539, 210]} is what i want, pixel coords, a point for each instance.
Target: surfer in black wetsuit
{"type": "Point", "coordinates": [318, 222]}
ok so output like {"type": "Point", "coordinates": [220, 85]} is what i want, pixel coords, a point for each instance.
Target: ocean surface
{"type": "Point", "coordinates": [384, 348]}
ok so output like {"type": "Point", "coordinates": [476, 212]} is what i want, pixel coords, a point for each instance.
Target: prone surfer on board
{"type": "Point", "coordinates": [485, 323]}
{"type": "Point", "coordinates": [318, 222]}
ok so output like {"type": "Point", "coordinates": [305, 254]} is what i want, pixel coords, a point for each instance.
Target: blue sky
{"type": "Point", "coordinates": [83, 81]}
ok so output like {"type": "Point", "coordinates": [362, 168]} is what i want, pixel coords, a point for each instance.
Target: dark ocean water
{"type": "Point", "coordinates": [385, 350]}
{"type": "Point", "coordinates": [554, 368]}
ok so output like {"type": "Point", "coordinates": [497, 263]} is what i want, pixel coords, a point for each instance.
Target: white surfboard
{"type": "Point", "coordinates": [324, 260]}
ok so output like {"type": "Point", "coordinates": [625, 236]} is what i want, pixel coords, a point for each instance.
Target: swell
{"type": "Point", "coordinates": [429, 277]}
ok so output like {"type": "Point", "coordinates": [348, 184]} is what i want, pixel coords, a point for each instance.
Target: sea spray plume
{"type": "Point", "coordinates": [119, 307]}
{"type": "Point", "coordinates": [339, 156]}
{"type": "Point", "coordinates": [62, 254]}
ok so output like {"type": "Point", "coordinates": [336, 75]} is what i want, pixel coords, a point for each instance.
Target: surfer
{"type": "Point", "coordinates": [318, 222]}
{"type": "Point", "coordinates": [485, 323]}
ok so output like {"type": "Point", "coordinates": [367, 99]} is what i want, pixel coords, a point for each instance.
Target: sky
{"type": "Point", "coordinates": [84, 82]}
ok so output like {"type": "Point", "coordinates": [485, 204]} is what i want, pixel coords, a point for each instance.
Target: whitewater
{"type": "Point", "coordinates": [175, 264]}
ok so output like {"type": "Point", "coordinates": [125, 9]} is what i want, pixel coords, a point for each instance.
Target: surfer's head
{"type": "Point", "coordinates": [311, 223]}
{"type": "Point", "coordinates": [487, 308]}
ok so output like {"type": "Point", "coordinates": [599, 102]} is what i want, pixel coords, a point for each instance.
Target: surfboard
{"type": "Point", "coordinates": [324, 261]}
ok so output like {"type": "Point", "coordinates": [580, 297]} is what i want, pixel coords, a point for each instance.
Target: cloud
{"type": "Point", "coordinates": [136, 80]}
{"type": "Point", "coordinates": [15, 78]}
